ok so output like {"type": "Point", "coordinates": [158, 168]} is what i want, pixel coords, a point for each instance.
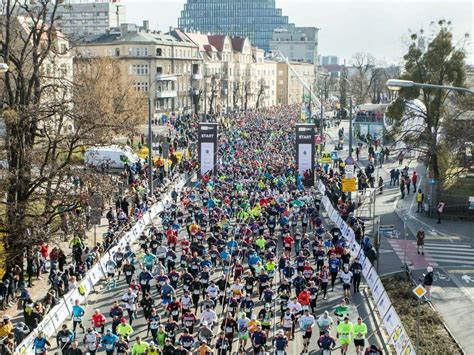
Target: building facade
{"type": "Point", "coordinates": [299, 44]}
{"type": "Point", "coordinates": [80, 19]}
{"type": "Point", "coordinates": [329, 60]}
{"type": "Point", "coordinates": [255, 19]}
{"type": "Point", "coordinates": [168, 69]}
{"type": "Point", "coordinates": [290, 90]}
{"type": "Point", "coordinates": [236, 74]}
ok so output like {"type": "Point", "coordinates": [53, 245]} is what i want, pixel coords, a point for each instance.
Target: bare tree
{"type": "Point", "coordinates": [49, 119]}
{"type": "Point", "coordinates": [214, 92]}
{"type": "Point", "coordinates": [260, 93]}
{"type": "Point", "coordinates": [236, 94]}
{"type": "Point", "coordinates": [247, 92]}
{"type": "Point", "coordinates": [363, 77]}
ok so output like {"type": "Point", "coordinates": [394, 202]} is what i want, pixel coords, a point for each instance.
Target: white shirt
{"type": "Point", "coordinates": [208, 316]}
{"type": "Point", "coordinates": [325, 322]}
{"type": "Point", "coordinates": [307, 322]}
{"type": "Point", "coordinates": [91, 340]}
{"type": "Point", "coordinates": [346, 277]}
{"type": "Point", "coordinates": [186, 302]}
{"type": "Point", "coordinates": [295, 307]}
{"type": "Point", "coordinates": [129, 300]}
{"type": "Point", "coordinates": [213, 291]}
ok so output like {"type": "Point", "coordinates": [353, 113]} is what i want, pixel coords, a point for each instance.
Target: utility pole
{"type": "Point", "coordinates": [150, 149]}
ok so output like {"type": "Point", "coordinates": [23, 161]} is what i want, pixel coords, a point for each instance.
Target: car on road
{"type": "Point", "coordinates": [111, 157]}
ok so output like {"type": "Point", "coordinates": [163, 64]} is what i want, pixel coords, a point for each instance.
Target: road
{"type": "Point", "coordinates": [103, 298]}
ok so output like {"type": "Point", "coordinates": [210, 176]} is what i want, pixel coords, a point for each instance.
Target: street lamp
{"type": "Point", "coordinates": [350, 114]}
{"type": "Point", "coordinates": [397, 84]}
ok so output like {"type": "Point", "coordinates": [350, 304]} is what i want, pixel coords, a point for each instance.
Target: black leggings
{"type": "Point", "coordinates": [324, 288]}
{"type": "Point", "coordinates": [356, 282]}
{"type": "Point", "coordinates": [333, 279]}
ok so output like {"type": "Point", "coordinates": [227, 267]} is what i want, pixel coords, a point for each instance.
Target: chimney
{"type": "Point", "coordinates": [146, 26]}
{"type": "Point", "coordinates": [171, 29]}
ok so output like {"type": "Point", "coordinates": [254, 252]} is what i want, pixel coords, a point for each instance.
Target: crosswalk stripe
{"type": "Point", "coordinates": [435, 256]}
{"type": "Point", "coordinates": [446, 245]}
{"type": "Point", "coordinates": [455, 261]}
{"type": "Point", "coordinates": [455, 252]}
{"type": "Point", "coordinates": [461, 250]}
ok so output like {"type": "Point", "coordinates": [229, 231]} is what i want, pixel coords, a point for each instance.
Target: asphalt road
{"type": "Point", "coordinates": [103, 299]}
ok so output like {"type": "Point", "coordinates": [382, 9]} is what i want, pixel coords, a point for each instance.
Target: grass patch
{"type": "Point", "coordinates": [434, 338]}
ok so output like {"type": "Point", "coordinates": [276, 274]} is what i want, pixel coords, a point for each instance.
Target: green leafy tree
{"type": "Point", "coordinates": [422, 129]}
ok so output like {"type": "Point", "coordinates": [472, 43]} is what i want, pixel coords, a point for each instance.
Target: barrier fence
{"type": "Point", "coordinates": [60, 313]}
{"type": "Point", "coordinates": [398, 337]}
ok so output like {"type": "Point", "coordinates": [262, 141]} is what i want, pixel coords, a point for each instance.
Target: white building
{"type": "Point", "coordinates": [298, 44]}
{"type": "Point", "coordinates": [84, 18]}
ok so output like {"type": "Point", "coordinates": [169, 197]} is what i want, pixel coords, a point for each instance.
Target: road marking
{"type": "Point", "coordinates": [449, 245]}
{"type": "Point", "coordinates": [453, 261]}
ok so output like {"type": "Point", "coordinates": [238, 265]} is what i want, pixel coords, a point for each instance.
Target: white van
{"type": "Point", "coordinates": [114, 157]}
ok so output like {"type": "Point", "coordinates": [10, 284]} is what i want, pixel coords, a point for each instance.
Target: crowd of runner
{"type": "Point", "coordinates": [241, 261]}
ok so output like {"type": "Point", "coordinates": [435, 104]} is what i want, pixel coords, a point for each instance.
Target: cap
{"type": "Point", "coordinates": [254, 316]}
{"type": "Point", "coordinates": [152, 343]}
{"type": "Point", "coordinates": [204, 323]}
{"type": "Point", "coordinates": [280, 332]}
{"type": "Point", "coordinates": [429, 269]}
{"type": "Point", "coordinates": [5, 317]}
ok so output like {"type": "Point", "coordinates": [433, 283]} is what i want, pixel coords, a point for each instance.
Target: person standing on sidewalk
{"type": "Point", "coordinates": [428, 282]}
{"type": "Point", "coordinates": [420, 241]}
{"type": "Point", "coordinates": [402, 188]}
{"type": "Point", "coordinates": [420, 197]}
{"type": "Point", "coordinates": [439, 210]}
{"type": "Point", "coordinates": [414, 180]}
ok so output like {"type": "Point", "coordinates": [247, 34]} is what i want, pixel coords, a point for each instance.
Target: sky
{"type": "Point", "coordinates": [379, 27]}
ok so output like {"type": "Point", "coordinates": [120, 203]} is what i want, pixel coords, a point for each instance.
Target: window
{"type": "Point", "coordinates": [159, 52]}
{"type": "Point", "coordinates": [117, 52]}
{"type": "Point", "coordinates": [140, 69]}
{"type": "Point", "coordinates": [195, 69]}
{"type": "Point", "coordinates": [139, 52]}
{"type": "Point", "coordinates": [141, 86]}
{"type": "Point", "coordinates": [159, 70]}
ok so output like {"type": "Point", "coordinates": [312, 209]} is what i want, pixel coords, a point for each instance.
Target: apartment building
{"type": "Point", "coordinates": [79, 19]}
{"type": "Point", "coordinates": [167, 68]}
{"type": "Point", "coordinates": [290, 90]}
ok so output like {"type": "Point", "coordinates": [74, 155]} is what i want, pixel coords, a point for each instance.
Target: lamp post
{"type": "Point", "coordinates": [150, 149]}
{"type": "Point", "coordinates": [397, 84]}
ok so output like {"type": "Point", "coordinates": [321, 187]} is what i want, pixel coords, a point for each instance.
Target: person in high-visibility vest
{"type": "Point", "coordinates": [359, 332]}
{"type": "Point", "coordinates": [344, 332]}
{"type": "Point", "coordinates": [419, 200]}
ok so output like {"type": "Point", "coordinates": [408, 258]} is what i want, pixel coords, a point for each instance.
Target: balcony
{"type": "Point", "coordinates": [197, 77]}
{"type": "Point", "coordinates": [166, 77]}
{"type": "Point", "coordinates": [164, 94]}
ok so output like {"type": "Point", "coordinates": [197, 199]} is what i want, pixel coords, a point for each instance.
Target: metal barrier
{"type": "Point", "coordinates": [57, 315]}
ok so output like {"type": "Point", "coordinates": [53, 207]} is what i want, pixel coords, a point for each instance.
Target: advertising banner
{"type": "Point", "coordinates": [305, 151]}
{"type": "Point", "coordinates": [383, 304]}
{"type": "Point", "coordinates": [207, 147]}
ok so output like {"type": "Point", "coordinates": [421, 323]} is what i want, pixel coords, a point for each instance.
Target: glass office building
{"type": "Point", "coordinates": [255, 19]}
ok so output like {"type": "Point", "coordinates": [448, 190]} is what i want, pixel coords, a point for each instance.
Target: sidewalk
{"type": "Point", "coordinates": [452, 230]}
{"type": "Point", "coordinates": [41, 286]}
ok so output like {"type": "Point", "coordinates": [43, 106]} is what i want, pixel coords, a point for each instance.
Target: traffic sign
{"type": "Point", "coordinates": [326, 157]}
{"type": "Point", "coordinates": [334, 155]}
{"type": "Point", "coordinates": [349, 161]}
{"type": "Point", "coordinates": [419, 291]}
{"type": "Point", "coordinates": [349, 171]}
{"type": "Point", "coordinates": [349, 185]}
